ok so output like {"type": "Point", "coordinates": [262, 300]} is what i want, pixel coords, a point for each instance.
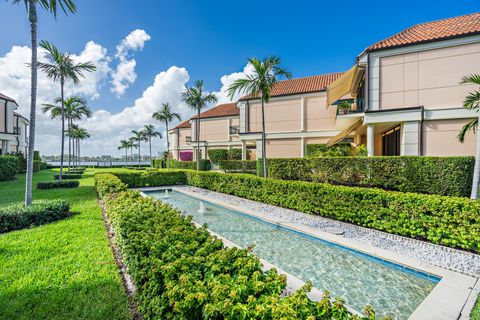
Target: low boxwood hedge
{"type": "Point", "coordinates": [149, 178]}
{"type": "Point", "coordinates": [64, 184]}
{"type": "Point", "coordinates": [106, 183]}
{"type": "Point", "coordinates": [451, 176]}
{"type": "Point", "coordinates": [205, 165]}
{"type": "Point", "coordinates": [238, 166]}
{"type": "Point", "coordinates": [17, 216]}
{"type": "Point", "coordinates": [449, 221]}
{"type": "Point", "coordinates": [68, 176]}
{"type": "Point", "coordinates": [182, 272]}
{"type": "Point", "coordinates": [8, 167]}
{"type": "Point", "coordinates": [158, 163]}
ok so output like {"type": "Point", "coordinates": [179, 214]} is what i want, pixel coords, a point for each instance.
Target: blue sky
{"type": "Point", "coordinates": [214, 38]}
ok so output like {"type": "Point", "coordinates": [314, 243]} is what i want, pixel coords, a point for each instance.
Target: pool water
{"type": "Point", "coordinates": [360, 279]}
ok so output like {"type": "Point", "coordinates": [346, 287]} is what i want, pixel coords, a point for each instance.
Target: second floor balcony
{"type": "Point", "coordinates": [350, 106]}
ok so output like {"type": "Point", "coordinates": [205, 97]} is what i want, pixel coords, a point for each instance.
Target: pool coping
{"type": "Point", "coordinates": [446, 300]}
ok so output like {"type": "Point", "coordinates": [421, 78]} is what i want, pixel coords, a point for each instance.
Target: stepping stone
{"type": "Point", "coordinates": [333, 230]}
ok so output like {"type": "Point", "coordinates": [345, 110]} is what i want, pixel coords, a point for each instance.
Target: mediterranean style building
{"type": "Point", "coordinates": [13, 127]}
{"type": "Point", "coordinates": [402, 97]}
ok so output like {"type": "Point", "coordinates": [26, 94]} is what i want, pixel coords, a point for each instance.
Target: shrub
{"type": "Point", "coordinates": [186, 155]}
{"type": "Point", "coordinates": [449, 221]}
{"type": "Point", "coordinates": [432, 175]}
{"type": "Point", "coordinates": [106, 183]}
{"type": "Point", "coordinates": [216, 155]}
{"type": "Point", "coordinates": [150, 178]}
{"type": "Point", "coordinates": [17, 216]}
{"type": "Point", "coordinates": [8, 167]}
{"type": "Point", "coordinates": [182, 272]}
{"type": "Point", "coordinates": [39, 165]}
{"type": "Point", "coordinates": [190, 165]}
{"type": "Point", "coordinates": [235, 154]}
{"type": "Point", "coordinates": [58, 184]}
{"type": "Point", "coordinates": [68, 176]}
{"type": "Point", "coordinates": [36, 156]}
{"type": "Point", "coordinates": [158, 163]}
{"type": "Point", "coordinates": [338, 150]}
{"type": "Point", "coordinates": [238, 166]}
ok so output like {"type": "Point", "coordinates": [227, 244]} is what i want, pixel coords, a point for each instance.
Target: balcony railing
{"type": "Point", "coordinates": [188, 139]}
{"type": "Point", "coordinates": [234, 130]}
{"type": "Point", "coordinates": [350, 106]}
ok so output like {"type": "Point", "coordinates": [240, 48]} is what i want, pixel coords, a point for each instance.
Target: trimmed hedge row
{"type": "Point", "coordinates": [150, 178]}
{"type": "Point", "coordinates": [449, 221]}
{"type": "Point", "coordinates": [238, 166]}
{"type": "Point", "coordinates": [68, 176]}
{"type": "Point", "coordinates": [17, 216]}
{"type": "Point", "coordinates": [205, 165]}
{"type": "Point", "coordinates": [182, 272]}
{"type": "Point", "coordinates": [58, 184]}
{"type": "Point", "coordinates": [8, 167]}
{"type": "Point", "coordinates": [450, 176]}
{"type": "Point", "coordinates": [106, 183]}
{"type": "Point", "coordinates": [158, 163]}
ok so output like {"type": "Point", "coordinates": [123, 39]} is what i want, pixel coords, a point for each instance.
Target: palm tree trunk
{"type": "Point", "coordinates": [78, 154]}
{"type": "Point", "coordinates": [126, 157]}
{"type": "Point", "coordinates": [150, 145]}
{"type": "Point", "coordinates": [476, 170]}
{"type": "Point", "coordinates": [62, 147]}
{"type": "Point", "coordinates": [33, 102]}
{"type": "Point", "coordinates": [69, 143]}
{"type": "Point", "coordinates": [198, 139]}
{"type": "Point", "coordinates": [264, 151]}
{"type": "Point", "coordinates": [139, 154]}
{"type": "Point", "coordinates": [168, 147]}
{"type": "Point", "coordinates": [73, 150]}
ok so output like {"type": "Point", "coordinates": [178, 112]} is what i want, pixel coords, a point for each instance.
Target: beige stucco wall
{"type": "Point", "coordinates": [2, 116]}
{"type": "Point", "coordinates": [440, 139]}
{"type": "Point", "coordinates": [183, 134]}
{"type": "Point", "coordinates": [214, 129]}
{"type": "Point", "coordinates": [283, 148]}
{"type": "Point", "coordinates": [319, 117]}
{"type": "Point", "coordinates": [428, 78]}
{"type": "Point", "coordinates": [280, 116]}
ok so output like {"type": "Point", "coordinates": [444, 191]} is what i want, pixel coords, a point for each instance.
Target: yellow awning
{"type": "Point", "coordinates": [347, 83]}
{"type": "Point", "coordinates": [344, 133]}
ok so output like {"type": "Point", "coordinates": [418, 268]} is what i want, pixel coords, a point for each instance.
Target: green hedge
{"type": "Point", "coordinates": [216, 155]}
{"type": "Point", "coordinates": [39, 165]}
{"type": "Point", "coordinates": [432, 175]}
{"type": "Point", "coordinates": [205, 165]}
{"type": "Point", "coordinates": [158, 163]}
{"type": "Point", "coordinates": [106, 183]}
{"type": "Point", "coordinates": [182, 272]}
{"type": "Point", "coordinates": [150, 178]}
{"type": "Point", "coordinates": [64, 184]}
{"type": "Point", "coordinates": [68, 176]}
{"type": "Point", "coordinates": [8, 167]}
{"type": "Point", "coordinates": [17, 216]}
{"type": "Point", "coordinates": [238, 166]}
{"type": "Point", "coordinates": [449, 221]}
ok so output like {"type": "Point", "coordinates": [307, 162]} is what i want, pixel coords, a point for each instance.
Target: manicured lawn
{"type": "Point", "coordinates": [475, 315]}
{"type": "Point", "coordinates": [61, 270]}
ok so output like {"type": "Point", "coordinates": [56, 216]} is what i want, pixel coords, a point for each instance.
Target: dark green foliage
{"type": "Point", "coordinates": [8, 167]}
{"type": "Point", "coordinates": [338, 150]}
{"type": "Point", "coordinates": [182, 272]}
{"type": "Point", "coordinates": [191, 165]}
{"type": "Point", "coordinates": [64, 184]}
{"type": "Point", "coordinates": [432, 175]}
{"type": "Point", "coordinates": [39, 165]}
{"type": "Point", "coordinates": [36, 156]}
{"type": "Point", "coordinates": [238, 166]}
{"type": "Point", "coordinates": [216, 155]}
{"type": "Point", "coordinates": [158, 163]}
{"type": "Point", "coordinates": [106, 183]}
{"type": "Point", "coordinates": [235, 154]}
{"type": "Point", "coordinates": [17, 216]}
{"type": "Point", "coordinates": [68, 176]}
{"type": "Point", "coordinates": [150, 178]}
{"type": "Point", "coordinates": [449, 221]}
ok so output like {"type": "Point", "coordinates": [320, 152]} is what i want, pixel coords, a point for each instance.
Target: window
{"type": "Point", "coordinates": [391, 142]}
{"type": "Point", "coordinates": [234, 129]}
{"type": "Point", "coordinates": [188, 139]}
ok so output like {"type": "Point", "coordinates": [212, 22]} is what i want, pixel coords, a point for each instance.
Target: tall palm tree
{"type": "Point", "coordinates": [124, 144]}
{"type": "Point", "coordinates": [81, 135]}
{"type": "Point", "coordinates": [472, 102]}
{"type": "Point", "coordinates": [197, 99]}
{"type": "Point", "coordinates": [150, 132]}
{"type": "Point", "coordinates": [75, 108]}
{"type": "Point", "coordinates": [31, 6]}
{"type": "Point", "coordinates": [138, 137]}
{"type": "Point", "coordinates": [132, 145]}
{"type": "Point", "coordinates": [62, 68]}
{"type": "Point", "coordinates": [166, 115]}
{"type": "Point", "coordinates": [266, 74]}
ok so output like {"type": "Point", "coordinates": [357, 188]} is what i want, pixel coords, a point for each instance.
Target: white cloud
{"type": "Point", "coordinates": [124, 75]}
{"type": "Point", "coordinates": [227, 80]}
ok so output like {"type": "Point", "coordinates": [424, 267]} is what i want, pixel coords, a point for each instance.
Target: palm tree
{"type": "Point", "coordinates": [472, 102]}
{"type": "Point", "coordinates": [197, 99]}
{"type": "Point", "coordinates": [166, 115]}
{"type": "Point", "coordinates": [77, 134]}
{"type": "Point", "coordinates": [125, 144]}
{"type": "Point", "coordinates": [132, 144]}
{"type": "Point", "coordinates": [31, 6]}
{"type": "Point", "coordinates": [75, 108]}
{"type": "Point", "coordinates": [62, 68]}
{"type": "Point", "coordinates": [139, 136]}
{"type": "Point", "coordinates": [149, 132]}
{"type": "Point", "coordinates": [265, 75]}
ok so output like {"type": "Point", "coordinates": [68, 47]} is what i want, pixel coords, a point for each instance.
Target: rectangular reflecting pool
{"type": "Point", "coordinates": [392, 289]}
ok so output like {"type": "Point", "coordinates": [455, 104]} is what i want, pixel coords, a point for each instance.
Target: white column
{"type": "Point", "coordinates": [259, 149]}
{"type": "Point", "coordinates": [244, 150]}
{"type": "Point", "coordinates": [302, 114]}
{"type": "Point", "coordinates": [370, 140]}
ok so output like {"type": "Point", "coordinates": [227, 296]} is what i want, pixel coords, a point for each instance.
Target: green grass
{"type": "Point", "coordinates": [61, 270]}
{"type": "Point", "coordinates": [475, 315]}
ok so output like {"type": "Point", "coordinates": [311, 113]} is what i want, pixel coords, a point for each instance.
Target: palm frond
{"type": "Point", "coordinates": [472, 125]}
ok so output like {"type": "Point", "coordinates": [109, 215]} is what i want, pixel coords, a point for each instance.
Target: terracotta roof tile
{"type": "Point", "coordinates": [431, 31]}
{"type": "Point", "coordinates": [301, 85]}
{"type": "Point", "coordinates": [4, 97]}
{"type": "Point", "coordinates": [222, 110]}
{"type": "Point", "coordinates": [184, 124]}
